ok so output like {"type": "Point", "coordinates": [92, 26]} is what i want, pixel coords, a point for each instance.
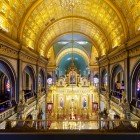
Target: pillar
{"type": "Point", "coordinates": [127, 87]}
{"type": "Point", "coordinates": [19, 80]}
{"type": "Point", "coordinates": [109, 85]}
{"type": "Point", "coordinates": [37, 75]}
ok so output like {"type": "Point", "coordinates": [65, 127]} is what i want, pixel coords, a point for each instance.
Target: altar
{"type": "Point", "coordinates": [72, 103]}
{"type": "Point", "coordinates": [73, 78]}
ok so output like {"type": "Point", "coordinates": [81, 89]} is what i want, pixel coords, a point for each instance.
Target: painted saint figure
{"type": "Point", "coordinates": [72, 79]}
{"type": "Point", "coordinates": [61, 103]}
{"type": "Point", "coordinates": [84, 103]}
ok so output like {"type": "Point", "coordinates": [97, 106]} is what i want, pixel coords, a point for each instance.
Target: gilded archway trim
{"type": "Point", "coordinates": [75, 50]}
{"type": "Point", "coordinates": [65, 33]}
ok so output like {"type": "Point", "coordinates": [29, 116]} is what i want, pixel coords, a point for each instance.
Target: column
{"type": "Point", "coordinates": [126, 77]}
{"type": "Point", "coordinates": [109, 85]}
{"type": "Point", "coordinates": [53, 77]}
{"type": "Point", "coordinates": [99, 96]}
{"type": "Point", "coordinates": [127, 87]}
{"type": "Point", "coordinates": [37, 75]}
{"type": "Point", "coordinates": [19, 79]}
{"type": "Point", "coordinates": [46, 88]}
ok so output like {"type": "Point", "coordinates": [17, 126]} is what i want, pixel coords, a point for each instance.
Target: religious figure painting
{"type": "Point", "coordinates": [84, 102]}
{"type": "Point", "coordinates": [72, 79]}
{"type": "Point", "coordinates": [61, 102]}
{"type": "Point", "coordinates": [95, 106]}
{"type": "Point", "coordinates": [49, 107]}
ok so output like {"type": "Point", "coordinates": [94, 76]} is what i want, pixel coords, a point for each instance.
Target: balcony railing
{"type": "Point", "coordinates": [116, 125]}
{"type": "Point", "coordinates": [116, 96]}
{"type": "Point", "coordinates": [115, 99]}
{"type": "Point", "coordinates": [135, 110]}
{"type": "Point", "coordinates": [7, 113]}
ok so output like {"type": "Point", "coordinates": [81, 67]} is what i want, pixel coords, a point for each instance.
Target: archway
{"type": "Point", "coordinates": [117, 81]}
{"type": "Point", "coordinates": [7, 85]}
{"type": "Point", "coordinates": [28, 82]}
{"type": "Point", "coordinates": [96, 80]}
{"type": "Point", "coordinates": [49, 79]}
{"type": "Point", "coordinates": [104, 80]}
{"type": "Point", "coordinates": [117, 77]}
{"type": "Point", "coordinates": [135, 86]}
{"type": "Point", "coordinates": [41, 80]}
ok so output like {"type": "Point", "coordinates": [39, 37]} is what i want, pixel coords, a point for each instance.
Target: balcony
{"type": "Point", "coordinates": [94, 125]}
{"type": "Point", "coordinates": [115, 99]}
{"type": "Point", "coordinates": [40, 94]}
{"type": "Point", "coordinates": [7, 113]}
{"type": "Point", "coordinates": [7, 109]}
{"type": "Point", "coordinates": [135, 110]}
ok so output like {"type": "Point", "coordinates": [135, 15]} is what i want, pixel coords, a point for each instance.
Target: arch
{"type": "Point", "coordinates": [68, 50]}
{"type": "Point", "coordinates": [41, 78]}
{"type": "Point", "coordinates": [116, 75]}
{"type": "Point", "coordinates": [64, 21]}
{"type": "Point", "coordinates": [28, 78]}
{"type": "Point", "coordinates": [8, 72]}
{"type": "Point", "coordinates": [104, 79]}
{"type": "Point", "coordinates": [78, 32]}
{"type": "Point", "coordinates": [49, 75]}
{"type": "Point", "coordinates": [135, 80]}
{"type": "Point", "coordinates": [111, 5]}
{"type": "Point", "coordinates": [96, 79]}
{"type": "Point", "coordinates": [49, 78]}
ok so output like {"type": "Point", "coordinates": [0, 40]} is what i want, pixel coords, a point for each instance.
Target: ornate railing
{"type": "Point", "coordinates": [30, 107]}
{"type": "Point", "coordinates": [116, 96]}
{"type": "Point", "coordinates": [116, 125]}
{"type": "Point", "coordinates": [5, 105]}
{"type": "Point", "coordinates": [115, 99]}
{"type": "Point", "coordinates": [30, 100]}
{"type": "Point", "coordinates": [9, 112]}
{"type": "Point", "coordinates": [135, 110]}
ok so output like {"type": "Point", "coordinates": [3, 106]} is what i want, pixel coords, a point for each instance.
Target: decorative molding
{"type": "Point", "coordinates": [42, 63]}
{"type": "Point", "coordinates": [103, 62]}
{"type": "Point", "coordinates": [8, 41]}
{"type": "Point", "coordinates": [134, 51]}
{"type": "Point", "coordinates": [7, 51]}
{"type": "Point", "coordinates": [119, 57]}
{"type": "Point", "coordinates": [26, 58]}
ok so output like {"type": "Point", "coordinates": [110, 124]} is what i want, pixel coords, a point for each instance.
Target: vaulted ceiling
{"type": "Point", "coordinates": [37, 24]}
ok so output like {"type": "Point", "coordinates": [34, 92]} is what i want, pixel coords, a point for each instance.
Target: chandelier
{"type": "Point", "coordinates": [69, 4]}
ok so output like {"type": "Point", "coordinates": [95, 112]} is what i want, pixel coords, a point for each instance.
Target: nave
{"type": "Point", "coordinates": [70, 65]}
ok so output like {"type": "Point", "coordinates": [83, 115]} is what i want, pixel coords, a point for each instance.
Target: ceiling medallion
{"type": "Point", "coordinates": [69, 4]}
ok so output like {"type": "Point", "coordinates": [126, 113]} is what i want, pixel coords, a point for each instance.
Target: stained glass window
{"type": "Point", "coordinates": [8, 85]}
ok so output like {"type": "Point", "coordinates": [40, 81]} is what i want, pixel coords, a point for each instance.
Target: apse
{"type": "Point", "coordinates": [79, 63]}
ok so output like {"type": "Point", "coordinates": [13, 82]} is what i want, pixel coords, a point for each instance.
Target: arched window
{"type": "Point", "coordinates": [49, 79]}
{"type": "Point", "coordinates": [28, 82]}
{"type": "Point", "coordinates": [104, 80]}
{"type": "Point", "coordinates": [7, 85]}
{"type": "Point", "coordinates": [41, 80]}
{"type": "Point", "coordinates": [135, 86]}
{"type": "Point", "coordinates": [28, 78]}
{"type": "Point", "coordinates": [117, 82]}
{"type": "Point", "coordinates": [96, 80]}
{"type": "Point", "coordinates": [117, 78]}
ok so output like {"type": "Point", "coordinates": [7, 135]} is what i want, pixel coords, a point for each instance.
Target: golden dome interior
{"type": "Point", "coordinates": [37, 23]}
